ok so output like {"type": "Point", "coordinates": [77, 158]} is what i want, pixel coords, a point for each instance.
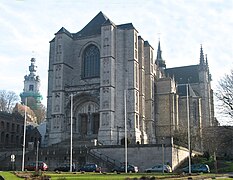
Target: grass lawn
{"type": "Point", "coordinates": [8, 175]}
{"type": "Point", "coordinates": [99, 176]}
{"type": "Point", "coordinates": [104, 176]}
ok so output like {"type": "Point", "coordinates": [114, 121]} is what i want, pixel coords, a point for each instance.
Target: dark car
{"type": "Point", "coordinates": [32, 166]}
{"type": "Point", "coordinates": [91, 167]}
{"type": "Point", "coordinates": [65, 168]}
{"type": "Point", "coordinates": [159, 168]}
{"type": "Point", "coordinates": [130, 168]}
{"type": "Point", "coordinates": [197, 168]}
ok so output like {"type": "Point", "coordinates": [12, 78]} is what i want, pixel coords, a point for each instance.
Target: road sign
{"type": "Point", "coordinates": [12, 158]}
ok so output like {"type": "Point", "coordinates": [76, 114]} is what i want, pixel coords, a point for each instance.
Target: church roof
{"type": "Point", "coordinates": [93, 27]}
{"type": "Point", "coordinates": [126, 26]}
{"type": "Point", "coordinates": [63, 30]}
{"type": "Point", "coordinates": [184, 74]}
{"type": "Point", "coordinates": [108, 22]}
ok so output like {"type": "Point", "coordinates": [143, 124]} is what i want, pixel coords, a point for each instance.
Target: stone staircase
{"type": "Point", "coordinates": [109, 162]}
{"type": "Point", "coordinates": [59, 153]}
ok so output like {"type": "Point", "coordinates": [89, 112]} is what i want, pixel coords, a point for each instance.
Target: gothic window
{"type": "Point", "coordinates": [31, 87]}
{"type": "Point", "coordinates": [95, 123]}
{"type": "Point", "coordinates": [83, 127]}
{"type": "Point", "coordinates": [91, 62]}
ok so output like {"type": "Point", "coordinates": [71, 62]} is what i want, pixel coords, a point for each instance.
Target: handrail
{"type": "Point", "coordinates": [107, 159]}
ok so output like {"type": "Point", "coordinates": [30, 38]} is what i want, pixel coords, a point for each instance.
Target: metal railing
{"type": "Point", "coordinates": [110, 162]}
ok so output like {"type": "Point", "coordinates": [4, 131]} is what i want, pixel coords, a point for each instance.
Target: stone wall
{"type": "Point", "coordinates": [145, 156]}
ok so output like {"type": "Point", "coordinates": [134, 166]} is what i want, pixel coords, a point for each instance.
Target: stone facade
{"type": "Point", "coordinates": [11, 130]}
{"type": "Point", "coordinates": [110, 75]}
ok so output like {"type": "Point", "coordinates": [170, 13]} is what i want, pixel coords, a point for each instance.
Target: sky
{"type": "Point", "coordinates": [182, 26]}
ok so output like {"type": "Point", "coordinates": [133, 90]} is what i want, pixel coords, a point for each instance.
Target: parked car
{"type": "Point", "coordinates": [91, 167]}
{"type": "Point", "coordinates": [159, 168]}
{"type": "Point", "coordinates": [32, 166]}
{"type": "Point", "coordinates": [65, 167]}
{"type": "Point", "coordinates": [197, 168]}
{"type": "Point", "coordinates": [130, 168]}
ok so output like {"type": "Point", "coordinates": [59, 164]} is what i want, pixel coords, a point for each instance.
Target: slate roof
{"type": "Point", "coordinates": [184, 74]}
{"type": "Point", "coordinates": [108, 22]}
{"type": "Point", "coordinates": [93, 27]}
{"type": "Point", "coordinates": [63, 30]}
{"type": "Point", "coordinates": [126, 26]}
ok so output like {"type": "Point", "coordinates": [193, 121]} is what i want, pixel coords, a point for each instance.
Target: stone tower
{"type": "Point", "coordinates": [97, 65]}
{"type": "Point", "coordinates": [31, 87]}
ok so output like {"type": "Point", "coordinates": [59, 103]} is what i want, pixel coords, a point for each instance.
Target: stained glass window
{"type": "Point", "coordinates": [91, 62]}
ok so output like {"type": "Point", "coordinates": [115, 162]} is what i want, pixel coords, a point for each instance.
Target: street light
{"type": "Point", "coordinates": [163, 154]}
{"type": "Point", "coordinates": [71, 131]}
{"type": "Point", "coordinates": [24, 133]}
{"type": "Point", "coordinates": [37, 155]}
{"type": "Point", "coordinates": [126, 158]}
{"type": "Point", "coordinates": [189, 147]}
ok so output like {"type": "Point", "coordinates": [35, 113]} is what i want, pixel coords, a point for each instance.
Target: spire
{"type": "Point", "coordinates": [202, 62]}
{"type": "Point", "coordinates": [159, 60]}
{"type": "Point", "coordinates": [159, 53]}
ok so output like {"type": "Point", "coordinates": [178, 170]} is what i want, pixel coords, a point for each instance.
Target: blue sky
{"type": "Point", "coordinates": [26, 27]}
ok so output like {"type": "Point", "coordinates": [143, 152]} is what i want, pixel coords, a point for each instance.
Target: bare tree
{"type": "Point", "coordinates": [224, 94]}
{"type": "Point", "coordinates": [40, 113]}
{"type": "Point", "coordinates": [38, 108]}
{"type": "Point", "coordinates": [8, 99]}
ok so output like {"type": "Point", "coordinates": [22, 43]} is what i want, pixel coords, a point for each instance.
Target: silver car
{"type": "Point", "coordinates": [159, 168]}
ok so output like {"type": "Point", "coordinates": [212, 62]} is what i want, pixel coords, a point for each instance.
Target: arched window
{"type": "Point", "coordinates": [91, 62]}
{"type": "Point", "coordinates": [2, 125]}
{"type": "Point", "coordinates": [31, 87]}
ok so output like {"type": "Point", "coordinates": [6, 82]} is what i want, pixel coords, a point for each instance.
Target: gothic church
{"type": "Point", "coordinates": [106, 76]}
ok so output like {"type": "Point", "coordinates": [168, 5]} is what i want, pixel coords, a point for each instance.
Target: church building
{"type": "Point", "coordinates": [107, 77]}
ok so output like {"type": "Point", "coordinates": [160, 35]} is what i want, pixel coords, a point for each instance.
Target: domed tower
{"type": "Point", "coordinates": [31, 88]}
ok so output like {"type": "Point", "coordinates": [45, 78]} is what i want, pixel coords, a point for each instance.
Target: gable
{"type": "Point", "coordinates": [93, 27]}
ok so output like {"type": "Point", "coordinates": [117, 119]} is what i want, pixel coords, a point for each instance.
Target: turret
{"type": "Point", "coordinates": [159, 60]}
{"type": "Point", "coordinates": [202, 61]}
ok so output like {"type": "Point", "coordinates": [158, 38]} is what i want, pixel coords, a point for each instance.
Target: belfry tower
{"type": "Point", "coordinates": [31, 88]}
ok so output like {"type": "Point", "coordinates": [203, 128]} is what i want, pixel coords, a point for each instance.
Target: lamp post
{"type": "Point", "coordinates": [189, 147]}
{"type": "Point", "coordinates": [71, 132]}
{"type": "Point", "coordinates": [24, 133]}
{"type": "Point", "coordinates": [163, 155]}
{"type": "Point", "coordinates": [126, 157]}
{"type": "Point", "coordinates": [37, 155]}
